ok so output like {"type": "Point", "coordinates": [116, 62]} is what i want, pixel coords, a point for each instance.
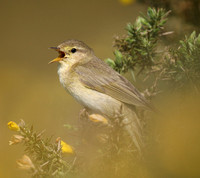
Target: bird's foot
{"type": "Point", "coordinates": [83, 114]}
{"type": "Point", "coordinates": [118, 117]}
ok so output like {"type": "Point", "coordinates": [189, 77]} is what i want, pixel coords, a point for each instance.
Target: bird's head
{"type": "Point", "coordinates": [72, 50]}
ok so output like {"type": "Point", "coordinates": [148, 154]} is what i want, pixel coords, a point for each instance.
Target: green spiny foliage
{"type": "Point", "coordinates": [137, 52]}
{"type": "Point", "coordinates": [182, 66]}
{"type": "Point", "coordinates": [137, 49]}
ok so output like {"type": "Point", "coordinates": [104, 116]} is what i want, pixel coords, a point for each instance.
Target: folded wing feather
{"type": "Point", "coordinates": [98, 76]}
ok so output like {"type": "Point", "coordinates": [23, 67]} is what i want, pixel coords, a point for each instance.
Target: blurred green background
{"type": "Point", "coordinates": [29, 87]}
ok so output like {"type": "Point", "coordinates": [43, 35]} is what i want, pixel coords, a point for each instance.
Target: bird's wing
{"type": "Point", "coordinates": [98, 76]}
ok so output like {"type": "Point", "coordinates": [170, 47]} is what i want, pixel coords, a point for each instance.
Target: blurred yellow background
{"type": "Point", "coordinates": [30, 89]}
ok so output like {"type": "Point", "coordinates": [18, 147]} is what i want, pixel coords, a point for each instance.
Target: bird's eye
{"type": "Point", "coordinates": [73, 50]}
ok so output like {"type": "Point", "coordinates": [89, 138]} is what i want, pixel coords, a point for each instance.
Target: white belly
{"type": "Point", "coordinates": [96, 101]}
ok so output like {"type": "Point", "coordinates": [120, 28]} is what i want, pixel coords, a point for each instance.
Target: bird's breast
{"type": "Point", "coordinates": [65, 74]}
{"type": "Point", "coordinates": [94, 100]}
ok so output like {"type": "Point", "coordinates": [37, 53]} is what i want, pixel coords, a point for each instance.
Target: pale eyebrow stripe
{"type": "Point", "coordinates": [80, 49]}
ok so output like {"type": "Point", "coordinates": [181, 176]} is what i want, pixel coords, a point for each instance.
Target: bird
{"type": "Point", "coordinates": [99, 88]}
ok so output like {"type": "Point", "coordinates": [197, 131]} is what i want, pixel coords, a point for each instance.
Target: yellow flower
{"type": "Point", "coordinates": [25, 163]}
{"type": "Point", "coordinates": [127, 2]}
{"type": "Point", "coordinates": [66, 148]}
{"type": "Point", "coordinates": [16, 139]}
{"type": "Point", "coordinates": [13, 126]}
{"type": "Point", "coordinates": [98, 118]}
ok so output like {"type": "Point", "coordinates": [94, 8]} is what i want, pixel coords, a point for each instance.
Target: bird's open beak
{"type": "Point", "coordinates": [60, 57]}
{"type": "Point", "coordinates": [55, 60]}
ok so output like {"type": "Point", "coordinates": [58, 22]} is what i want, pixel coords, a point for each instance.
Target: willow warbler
{"type": "Point", "coordinates": [98, 87]}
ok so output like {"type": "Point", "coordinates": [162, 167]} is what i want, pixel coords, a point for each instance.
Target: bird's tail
{"type": "Point", "coordinates": [133, 127]}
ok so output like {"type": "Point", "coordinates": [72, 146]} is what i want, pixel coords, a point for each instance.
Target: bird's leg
{"type": "Point", "coordinates": [83, 114]}
{"type": "Point", "coordinates": [119, 115]}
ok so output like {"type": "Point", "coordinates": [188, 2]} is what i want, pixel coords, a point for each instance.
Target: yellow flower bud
{"type": "Point", "coordinates": [127, 2]}
{"type": "Point", "coordinates": [98, 118]}
{"type": "Point", "coordinates": [16, 139]}
{"type": "Point", "coordinates": [13, 126]}
{"type": "Point", "coordinates": [25, 163]}
{"type": "Point", "coordinates": [66, 148]}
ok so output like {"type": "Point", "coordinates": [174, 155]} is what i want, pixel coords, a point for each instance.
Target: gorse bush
{"type": "Point", "coordinates": [182, 66]}
{"type": "Point", "coordinates": [138, 53]}
{"type": "Point", "coordinates": [137, 49]}
{"type": "Point", "coordinates": [45, 157]}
